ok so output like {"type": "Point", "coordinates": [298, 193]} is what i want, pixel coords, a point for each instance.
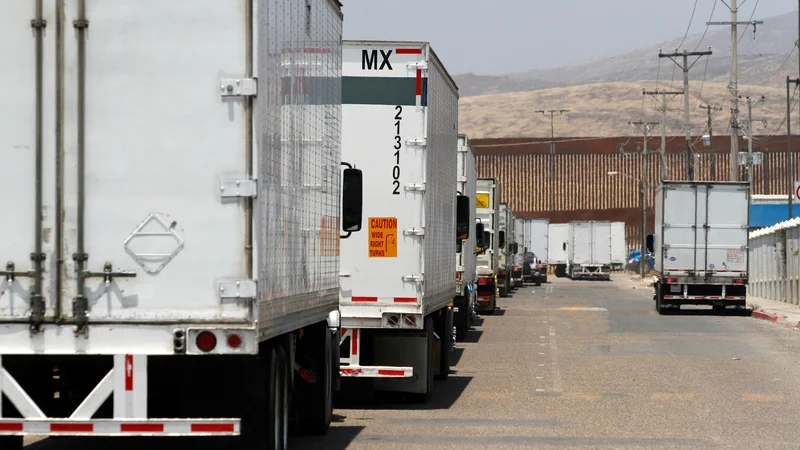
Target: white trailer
{"type": "Point", "coordinates": [519, 246]}
{"type": "Point", "coordinates": [466, 258]}
{"type": "Point", "coordinates": [172, 205]}
{"type": "Point", "coordinates": [400, 119]}
{"type": "Point", "coordinates": [487, 203]}
{"type": "Point", "coordinates": [557, 244]}
{"type": "Point", "coordinates": [589, 250]}
{"type": "Point", "coordinates": [619, 251]}
{"type": "Point", "coordinates": [537, 243]}
{"type": "Point", "coordinates": [504, 266]}
{"type": "Point", "coordinates": [701, 239]}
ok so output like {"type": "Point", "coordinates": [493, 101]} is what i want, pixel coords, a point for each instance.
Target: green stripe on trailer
{"type": "Point", "coordinates": [382, 91]}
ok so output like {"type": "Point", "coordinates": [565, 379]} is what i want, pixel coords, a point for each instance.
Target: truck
{"type": "Point", "coordinates": [400, 119]}
{"type": "Point", "coordinates": [519, 257]}
{"type": "Point", "coordinates": [487, 203]}
{"type": "Point", "coordinates": [701, 244]}
{"type": "Point", "coordinates": [557, 243]}
{"type": "Point", "coordinates": [466, 259]}
{"type": "Point", "coordinates": [172, 219]}
{"type": "Point", "coordinates": [589, 250]}
{"type": "Point", "coordinates": [538, 244]}
{"type": "Point", "coordinates": [504, 260]}
{"type": "Point", "coordinates": [619, 255]}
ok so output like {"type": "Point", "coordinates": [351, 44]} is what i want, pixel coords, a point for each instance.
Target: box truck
{"type": "Point", "coordinates": [557, 243]}
{"type": "Point", "coordinates": [619, 254]}
{"type": "Point", "coordinates": [400, 119]}
{"type": "Point", "coordinates": [503, 254]}
{"type": "Point", "coordinates": [172, 218]}
{"type": "Point", "coordinates": [487, 202]}
{"type": "Point", "coordinates": [589, 250]}
{"type": "Point", "coordinates": [537, 243]}
{"type": "Point", "coordinates": [700, 240]}
{"type": "Point", "coordinates": [519, 257]}
{"type": "Point", "coordinates": [466, 257]}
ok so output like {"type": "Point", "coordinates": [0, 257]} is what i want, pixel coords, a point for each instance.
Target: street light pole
{"type": "Point", "coordinates": [552, 113]}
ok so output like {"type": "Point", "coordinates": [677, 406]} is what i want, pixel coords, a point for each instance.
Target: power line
{"type": "Point", "coordinates": [794, 47]}
{"type": "Point", "coordinates": [794, 103]}
{"type": "Point", "coordinates": [749, 20]}
{"type": "Point", "coordinates": [711, 16]}
{"type": "Point", "coordinates": [691, 19]}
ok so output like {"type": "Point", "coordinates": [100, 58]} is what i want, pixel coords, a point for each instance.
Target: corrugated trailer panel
{"type": "Point", "coordinates": [467, 185]}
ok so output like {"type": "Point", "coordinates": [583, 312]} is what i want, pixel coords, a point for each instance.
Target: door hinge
{"type": "Point", "coordinates": [38, 23]}
{"type": "Point", "coordinates": [108, 274]}
{"type": "Point", "coordinates": [238, 188]}
{"type": "Point", "coordinates": [422, 65]}
{"type": "Point", "coordinates": [415, 187]}
{"type": "Point", "coordinates": [415, 278]}
{"type": "Point", "coordinates": [238, 87]}
{"type": "Point", "coordinates": [414, 232]}
{"type": "Point", "coordinates": [417, 142]}
{"type": "Point", "coordinates": [462, 179]}
{"type": "Point", "coordinates": [238, 289]}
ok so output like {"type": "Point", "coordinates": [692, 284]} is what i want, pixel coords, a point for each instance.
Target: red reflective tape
{"type": "Point", "coordinates": [128, 372]}
{"type": "Point", "coordinates": [10, 427]}
{"type": "Point", "coordinates": [409, 51]}
{"type": "Point", "coordinates": [391, 373]}
{"type": "Point", "coordinates": [212, 428]}
{"type": "Point", "coordinates": [141, 428]}
{"type": "Point", "coordinates": [354, 347]}
{"type": "Point", "coordinates": [71, 427]}
{"type": "Point", "coordinates": [713, 298]}
{"type": "Point", "coordinates": [346, 371]}
{"type": "Point", "coordinates": [365, 299]}
{"type": "Point", "coordinates": [419, 81]}
{"type": "Point", "coordinates": [405, 300]}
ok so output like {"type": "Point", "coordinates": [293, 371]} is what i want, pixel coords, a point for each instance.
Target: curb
{"type": "Point", "coordinates": [766, 316]}
{"type": "Point", "coordinates": [774, 318]}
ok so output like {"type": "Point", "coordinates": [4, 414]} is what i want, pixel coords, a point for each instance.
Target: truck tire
{"type": "Point", "coordinates": [446, 345]}
{"type": "Point", "coordinates": [492, 305]}
{"type": "Point", "coordinates": [461, 318]}
{"type": "Point", "coordinates": [426, 396]}
{"type": "Point", "coordinates": [264, 424]}
{"type": "Point", "coordinates": [278, 394]}
{"type": "Point", "coordinates": [11, 442]}
{"type": "Point", "coordinates": [317, 399]}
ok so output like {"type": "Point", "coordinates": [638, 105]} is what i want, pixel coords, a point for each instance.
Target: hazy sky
{"type": "Point", "coordinates": [505, 36]}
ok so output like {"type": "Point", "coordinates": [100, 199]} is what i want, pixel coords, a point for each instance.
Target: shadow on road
{"type": "Point", "coordinates": [455, 358]}
{"type": "Point", "coordinates": [338, 437]}
{"type": "Point", "coordinates": [445, 394]}
{"type": "Point", "coordinates": [473, 336]}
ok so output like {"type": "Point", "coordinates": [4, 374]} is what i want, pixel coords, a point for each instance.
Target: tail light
{"type": "Point", "coordinates": [738, 281]}
{"type": "Point", "coordinates": [234, 340]}
{"type": "Point", "coordinates": [458, 276]}
{"type": "Point", "coordinates": [481, 281]}
{"type": "Point", "coordinates": [411, 321]}
{"type": "Point", "coordinates": [393, 320]}
{"type": "Point", "coordinates": [672, 280]}
{"type": "Point", "coordinates": [206, 341]}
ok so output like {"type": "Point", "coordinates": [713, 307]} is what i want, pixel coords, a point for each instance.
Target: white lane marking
{"type": "Point", "coordinates": [557, 386]}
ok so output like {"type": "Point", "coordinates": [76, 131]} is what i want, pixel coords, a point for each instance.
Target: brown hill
{"type": "Point", "coordinates": [604, 109]}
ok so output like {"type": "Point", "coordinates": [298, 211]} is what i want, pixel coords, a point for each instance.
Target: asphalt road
{"type": "Point", "coordinates": [583, 364]}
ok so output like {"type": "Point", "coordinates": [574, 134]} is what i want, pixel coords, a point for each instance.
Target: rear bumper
{"type": "Point", "coordinates": [120, 427]}
{"type": "Point", "coordinates": [376, 372]}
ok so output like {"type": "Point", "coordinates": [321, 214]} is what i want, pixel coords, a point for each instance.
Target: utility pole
{"type": "Point", "coordinates": [789, 169]}
{"type": "Point", "coordinates": [663, 108]}
{"type": "Point", "coordinates": [644, 128]}
{"type": "Point", "coordinates": [749, 131]}
{"type": "Point", "coordinates": [552, 113]}
{"type": "Point", "coordinates": [708, 109]}
{"type": "Point", "coordinates": [734, 85]}
{"type": "Point", "coordinates": [687, 124]}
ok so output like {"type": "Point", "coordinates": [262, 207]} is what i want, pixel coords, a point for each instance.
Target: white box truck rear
{"type": "Point", "coordinates": [558, 242]}
{"type": "Point", "coordinates": [487, 202]}
{"type": "Point", "coordinates": [589, 250]}
{"type": "Point", "coordinates": [700, 241]}
{"type": "Point", "coordinates": [619, 251]}
{"type": "Point", "coordinates": [537, 243]}
{"type": "Point", "coordinates": [503, 254]}
{"type": "Point", "coordinates": [172, 217]}
{"type": "Point", "coordinates": [466, 257]}
{"type": "Point", "coordinates": [519, 246]}
{"type": "Point", "coordinates": [400, 119]}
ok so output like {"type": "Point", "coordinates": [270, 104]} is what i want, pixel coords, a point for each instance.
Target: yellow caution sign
{"type": "Point", "coordinates": [482, 200]}
{"type": "Point", "coordinates": [383, 237]}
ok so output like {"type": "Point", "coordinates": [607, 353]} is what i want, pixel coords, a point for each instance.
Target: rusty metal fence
{"type": "Point", "coordinates": [582, 189]}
